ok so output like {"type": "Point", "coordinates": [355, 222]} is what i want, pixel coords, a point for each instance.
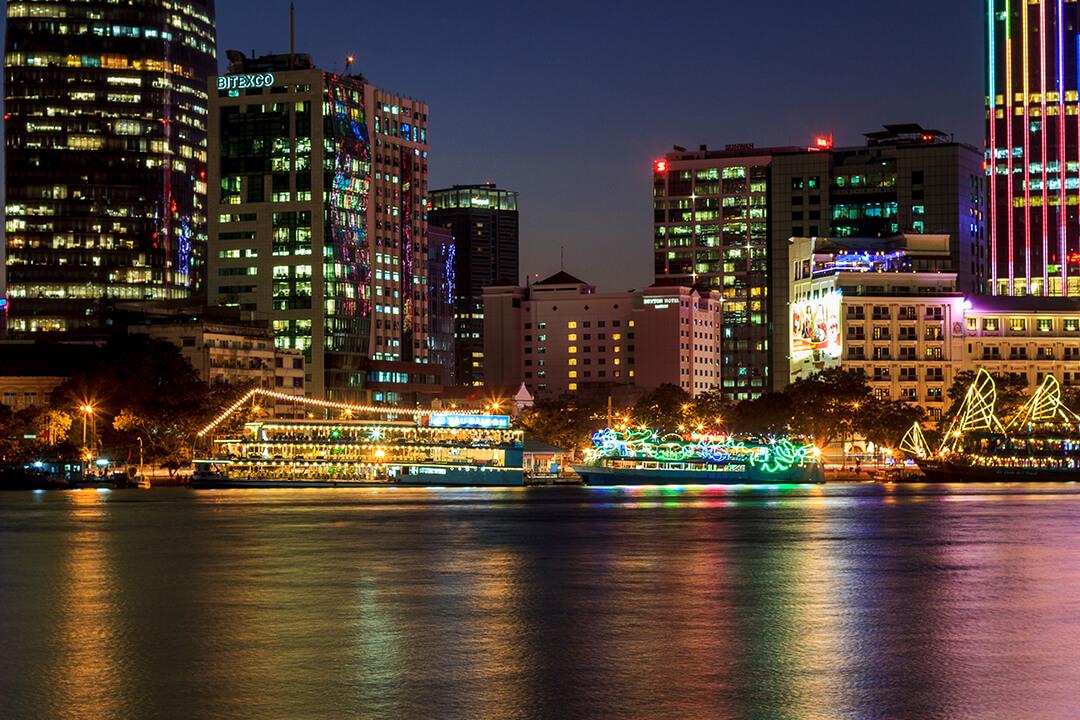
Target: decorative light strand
{"type": "Point", "coordinates": [387, 409]}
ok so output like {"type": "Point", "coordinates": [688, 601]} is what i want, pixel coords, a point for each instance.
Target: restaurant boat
{"type": "Point", "coordinates": [430, 449]}
{"type": "Point", "coordinates": [641, 456]}
{"type": "Point", "coordinates": [1040, 444]}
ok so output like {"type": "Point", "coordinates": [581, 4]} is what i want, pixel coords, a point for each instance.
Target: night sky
{"type": "Point", "coordinates": [568, 103]}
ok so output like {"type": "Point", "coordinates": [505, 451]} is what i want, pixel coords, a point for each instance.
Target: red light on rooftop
{"type": "Point", "coordinates": [822, 142]}
{"type": "Point", "coordinates": [661, 166]}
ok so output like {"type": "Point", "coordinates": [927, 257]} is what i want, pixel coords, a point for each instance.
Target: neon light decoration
{"type": "Point", "coordinates": [975, 413]}
{"type": "Point", "coordinates": [469, 421]}
{"type": "Point", "coordinates": [776, 455]}
{"type": "Point", "coordinates": [914, 442]}
{"type": "Point", "coordinates": [661, 166]}
{"type": "Point", "coordinates": [344, 407]}
{"type": "Point", "coordinates": [1045, 409]}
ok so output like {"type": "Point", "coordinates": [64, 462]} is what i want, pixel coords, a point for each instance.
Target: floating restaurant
{"type": "Point", "coordinates": [430, 448]}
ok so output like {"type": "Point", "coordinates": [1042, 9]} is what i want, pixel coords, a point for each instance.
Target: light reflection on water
{"type": "Point", "coordinates": [631, 602]}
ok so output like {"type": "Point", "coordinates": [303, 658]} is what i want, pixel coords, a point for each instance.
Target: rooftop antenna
{"type": "Point", "coordinates": [562, 253]}
{"type": "Point", "coordinates": [292, 35]}
{"type": "Point", "coordinates": [348, 63]}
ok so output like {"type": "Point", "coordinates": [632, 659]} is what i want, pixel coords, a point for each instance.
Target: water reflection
{"type": "Point", "coordinates": [86, 675]}
{"type": "Point", "coordinates": [717, 602]}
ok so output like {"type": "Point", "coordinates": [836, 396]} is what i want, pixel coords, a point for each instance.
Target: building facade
{"type": "Point", "coordinates": [890, 309]}
{"type": "Point", "coordinates": [1032, 152]}
{"type": "Point", "coordinates": [318, 220]}
{"type": "Point", "coordinates": [484, 221]}
{"type": "Point", "coordinates": [723, 219]}
{"type": "Point", "coordinates": [105, 136]}
{"type": "Point", "coordinates": [561, 338]}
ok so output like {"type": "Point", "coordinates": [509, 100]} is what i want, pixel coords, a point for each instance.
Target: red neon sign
{"type": "Point", "coordinates": [661, 166]}
{"type": "Point", "coordinates": [823, 143]}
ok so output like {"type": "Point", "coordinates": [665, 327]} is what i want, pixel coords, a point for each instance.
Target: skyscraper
{"type": "Point", "coordinates": [105, 130]}
{"type": "Point", "coordinates": [1033, 157]}
{"type": "Point", "coordinates": [319, 185]}
{"type": "Point", "coordinates": [484, 220]}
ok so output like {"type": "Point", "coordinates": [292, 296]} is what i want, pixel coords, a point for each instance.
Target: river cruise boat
{"type": "Point", "coordinates": [1041, 443]}
{"type": "Point", "coordinates": [641, 456]}
{"type": "Point", "coordinates": [434, 449]}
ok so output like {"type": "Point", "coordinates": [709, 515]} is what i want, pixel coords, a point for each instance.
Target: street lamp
{"type": "Point", "coordinates": [87, 410]}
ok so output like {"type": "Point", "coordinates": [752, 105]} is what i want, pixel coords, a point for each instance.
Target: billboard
{"type": "Point", "coordinates": [815, 327]}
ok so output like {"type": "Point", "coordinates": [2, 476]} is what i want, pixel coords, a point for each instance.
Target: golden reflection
{"type": "Point", "coordinates": [503, 651]}
{"type": "Point", "coordinates": [88, 669]}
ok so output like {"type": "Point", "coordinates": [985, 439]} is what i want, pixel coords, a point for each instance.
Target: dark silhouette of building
{"type": "Point", "coordinates": [105, 131]}
{"type": "Point", "coordinates": [484, 221]}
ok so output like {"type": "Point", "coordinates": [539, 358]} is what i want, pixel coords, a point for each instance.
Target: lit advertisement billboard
{"type": "Point", "coordinates": [815, 327]}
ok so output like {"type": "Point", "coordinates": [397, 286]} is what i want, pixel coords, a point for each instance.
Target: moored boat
{"type": "Point", "coordinates": [1041, 443]}
{"type": "Point", "coordinates": [641, 456]}
{"type": "Point", "coordinates": [444, 449]}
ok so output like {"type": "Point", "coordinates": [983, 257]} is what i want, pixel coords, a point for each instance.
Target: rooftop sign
{"type": "Point", "coordinates": [242, 82]}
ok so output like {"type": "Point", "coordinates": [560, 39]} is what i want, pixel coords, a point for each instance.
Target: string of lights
{"type": "Point", "coordinates": [327, 404]}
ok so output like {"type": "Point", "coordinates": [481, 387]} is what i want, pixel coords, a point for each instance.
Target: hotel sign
{"type": "Point", "coordinates": [661, 302]}
{"type": "Point", "coordinates": [242, 82]}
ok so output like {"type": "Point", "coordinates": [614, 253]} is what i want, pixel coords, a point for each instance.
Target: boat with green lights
{"type": "Point", "coordinates": [1040, 443]}
{"type": "Point", "coordinates": [642, 456]}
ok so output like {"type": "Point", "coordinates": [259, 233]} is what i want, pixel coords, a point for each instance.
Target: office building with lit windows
{"type": "Point", "coordinates": [317, 219]}
{"type": "Point", "coordinates": [1032, 148]}
{"type": "Point", "coordinates": [723, 218]}
{"type": "Point", "coordinates": [484, 221]}
{"type": "Point", "coordinates": [562, 338]}
{"type": "Point", "coordinates": [105, 171]}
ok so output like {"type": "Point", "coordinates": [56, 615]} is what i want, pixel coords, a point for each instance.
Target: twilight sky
{"type": "Point", "coordinates": [568, 103]}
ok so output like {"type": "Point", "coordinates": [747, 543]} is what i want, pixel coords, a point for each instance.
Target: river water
{"type": "Point", "coordinates": [835, 601]}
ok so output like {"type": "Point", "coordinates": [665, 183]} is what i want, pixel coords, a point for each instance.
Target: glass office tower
{"type": "Point", "coordinates": [105, 133]}
{"type": "Point", "coordinates": [1032, 154]}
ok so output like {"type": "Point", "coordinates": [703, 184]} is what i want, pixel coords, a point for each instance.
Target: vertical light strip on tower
{"type": "Point", "coordinates": [1026, 159]}
{"type": "Point", "coordinates": [992, 145]}
{"type": "Point", "coordinates": [1062, 249]}
{"type": "Point", "coordinates": [1009, 116]}
{"type": "Point", "coordinates": [1042, 147]}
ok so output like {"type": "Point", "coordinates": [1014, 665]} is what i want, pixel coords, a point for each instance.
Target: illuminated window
{"type": "Point", "coordinates": [573, 373]}
{"type": "Point", "coordinates": [990, 323]}
{"type": "Point", "coordinates": [1018, 323]}
{"type": "Point", "coordinates": [571, 325]}
{"type": "Point", "coordinates": [572, 361]}
{"type": "Point", "coordinates": [572, 349]}
{"type": "Point", "coordinates": [573, 386]}
{"type": "Point", "coordinates": [572, 337]}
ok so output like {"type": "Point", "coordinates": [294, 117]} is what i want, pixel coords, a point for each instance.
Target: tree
{"type": "Point", "coordinates": [824, 403]}
{"type": "Point", "coordinates": [145, 388]}
{"type": "Point", "coordinates": [665, 408]}
{"type": "Point", "coordinates": [556, 424]}
{"type": "Point", "coordinates": [884, 422]}
{"type": "Point", "coordinates": [710, 410]}
{"type": "Point", "coordinates": [769, 414]}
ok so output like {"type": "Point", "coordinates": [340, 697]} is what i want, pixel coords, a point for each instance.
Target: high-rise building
{"type": "Point", "coordinates": [441, 290]}
{"type": "Point", "coordinates": [105, 134]}
{"type": "Point", "coordinates": [723, 219]}
{"type": "Point", "coordinates": [318, 190]}
{"type": "Point", "coordinates": [484, 220]}
{"type": "Point", "coordinates": [1032, 153]}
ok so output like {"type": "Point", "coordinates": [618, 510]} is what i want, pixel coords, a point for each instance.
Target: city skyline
{"type": "Point", "coordinates": [552, 106]}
